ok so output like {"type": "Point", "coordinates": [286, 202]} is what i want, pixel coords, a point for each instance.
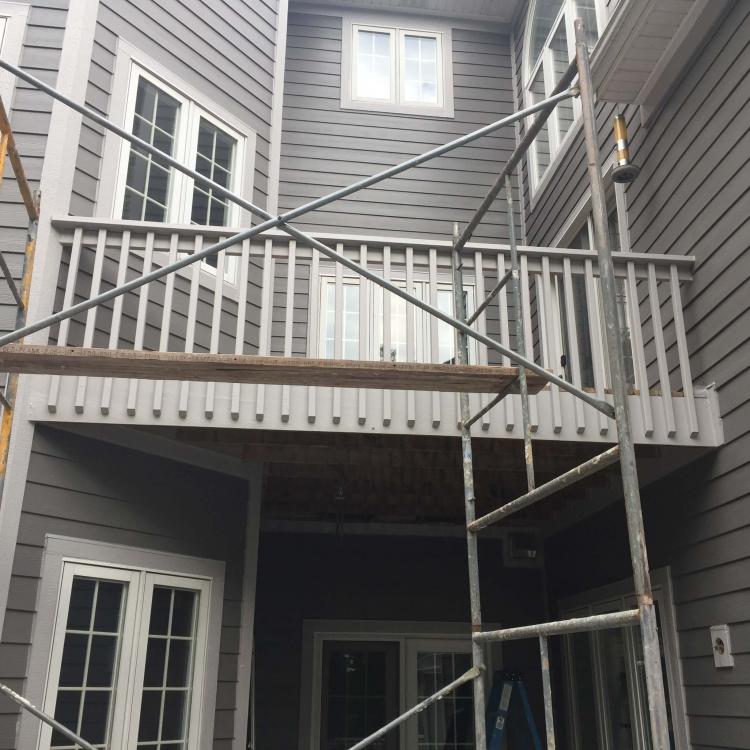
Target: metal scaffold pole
{"type": "Point", "coordinates": [477, 649]}
{"type": "Point", "coordinates": [631, 491]}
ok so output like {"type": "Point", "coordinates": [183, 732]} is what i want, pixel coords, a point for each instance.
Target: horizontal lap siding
{"type": "Point", "coordinates": [325, 147]}
{"type": "Point", "coordinates": [223, 49]}
{"type": "Point", "coordinates": [29, 115]}
{"type": "Point", "coordinates": [90, 490]}
{"type": "Point", "coordinates": [693, 198]}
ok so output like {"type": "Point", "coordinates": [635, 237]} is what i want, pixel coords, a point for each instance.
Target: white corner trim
{"type": "Point", "coordinates": [60, 549]}
{"type": "Point", "coordinates": [56, 184]}
{"type": "Point", "coordinates": [277, 110]}
{"type": "Point", "coordinates": [16, 16]}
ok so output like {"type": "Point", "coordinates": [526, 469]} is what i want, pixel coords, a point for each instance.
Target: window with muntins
{"type": "Point", "coordinates": [549, 47]}
{"type": "Point", "coordinates": [397, 69]}
{"type": "Point", "coordinates": [150, 190]}
{"type": "Point", "coordinates": [127, 655]}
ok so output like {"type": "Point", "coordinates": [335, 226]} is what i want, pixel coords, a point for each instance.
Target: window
{"type": "Point", "coordinates": [362, 681]}
{"type": "Point", "coordinates": [429, 335]}
{"type": "Point", "coordinates": [127, 661]}
{"type": "Point", "coordinates": [150, 190]}
{"type": "Point", "coordinates": [550, 45]}
{"type": "Point", "coordinates": [605, 678]}
{"type": "Point", "coordinates": [397, 69]}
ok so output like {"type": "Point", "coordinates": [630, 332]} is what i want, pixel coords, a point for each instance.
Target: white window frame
{"type": "Point", "coordinates": [398, 28]}
{"type": "Point", "coordinates": [425, 338]}
{"type": "Point", "coordinates": [618, 596]}
{"type": "Point", "coordinates": [131, 63]}
{"type": "Point", "coordinates": [14, 17]}
{"type": "Point", "coordinates": [65, 557]}
{"type": "Point", "coordinates": [557, 146]}
{"type": "Point", "coordinates": [409, 636]}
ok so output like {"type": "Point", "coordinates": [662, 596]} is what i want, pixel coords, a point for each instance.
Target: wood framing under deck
{"type": "Point", "coordinates": [245, 368]}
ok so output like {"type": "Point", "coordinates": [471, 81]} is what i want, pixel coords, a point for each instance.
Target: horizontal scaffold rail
{"type": "Point", "coordinates": [623, 619]}
{"type": "Point", "coordinates": [248, 368]}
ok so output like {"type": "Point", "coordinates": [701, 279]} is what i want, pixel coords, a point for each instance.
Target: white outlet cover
{"type": "Point", "coordinates": [721, 645]}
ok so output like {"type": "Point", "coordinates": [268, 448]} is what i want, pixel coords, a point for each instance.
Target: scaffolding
{"type": "Point", "coordinates": [526, 377]}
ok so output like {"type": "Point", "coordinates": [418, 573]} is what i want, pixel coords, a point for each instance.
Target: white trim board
{"type": "Point", "coordinates": [277, 110]}
{"type": "Point", "coordinates": [16, 16]}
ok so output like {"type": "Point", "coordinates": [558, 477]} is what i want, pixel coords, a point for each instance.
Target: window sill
{"type": "Point", "coordinates": [402, 110]}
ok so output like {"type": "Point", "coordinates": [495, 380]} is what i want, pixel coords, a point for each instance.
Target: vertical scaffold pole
{"type": "Point", "coordinates": [637, 541]}
{"type": "Point", "coordinates": [477, 653]}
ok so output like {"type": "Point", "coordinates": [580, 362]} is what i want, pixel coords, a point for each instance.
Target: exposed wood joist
{"type": "Point", "coordinates": [230, 368]}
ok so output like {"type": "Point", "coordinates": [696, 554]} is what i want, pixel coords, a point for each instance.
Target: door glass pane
{"type": "Point", "coordinates": [359, 693]}
{"type": "Point", "coordinates": [448, 724]}
{"type": "Point", "coordinates": [560, 59]}
{"type": "Point", "coordinates": [167, 678]}
{"type": "Point", "coordinates": [621, 731]}
{"type": "Point", "coordinates": [214, 159]}
{"type": "Point", "coordinates": [545, 13]}
{"type": "Point", "coordinates": [373, 50]}
{"type": "Point", "coordinates": [586, 9]}
{"type": "Point", "coordinates": [148, 178]}
{"type": "Point", "coordinates": [420, 69]}
{"type": "Point", "coordinates": [88, 669]}
{"type": "Point", "coordinates": [541, 142]}
{"type": "Point", "coordinates": [582, 700]}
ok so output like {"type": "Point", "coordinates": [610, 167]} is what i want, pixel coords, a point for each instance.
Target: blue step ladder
{"type": "Point", "coordinates": [500, 705]}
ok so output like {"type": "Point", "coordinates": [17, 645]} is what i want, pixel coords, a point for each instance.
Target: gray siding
{"type": "Point", "coordinates": [325, 147]}
{"type": "Point", "coordinates": [29, 114]}
{"type": "Point", "coordinates": [401, 578]}
{"type": "Point", "coordinates": [225, 49]}
{"type": "Point", "coordinates": [86, 489]}
{"type": "Point", "coordinates": [692, 198]}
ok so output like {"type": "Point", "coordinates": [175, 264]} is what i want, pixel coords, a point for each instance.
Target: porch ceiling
{"type": "Point", "coordinates": [497, 11]}
{"type": "Point", "coordinates": [337, 477]}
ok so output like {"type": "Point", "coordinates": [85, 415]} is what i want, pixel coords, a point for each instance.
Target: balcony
{"type": "Point", "coordinates": [272, 296]}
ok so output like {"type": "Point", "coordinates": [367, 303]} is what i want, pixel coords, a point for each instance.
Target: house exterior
{"type": "Point", "coordinates": [191, 565]}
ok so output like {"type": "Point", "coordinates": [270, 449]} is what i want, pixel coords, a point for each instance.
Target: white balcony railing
{"type": "Point", "coordinates": [272, 296]}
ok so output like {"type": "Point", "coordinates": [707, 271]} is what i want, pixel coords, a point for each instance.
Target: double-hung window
{"type": "Point", "coordinates": [127, 663]}
{"type": "Point", "coordinates": [397, 69]}
{"type": "Point", "coordinates": [549, 48]}
{"type": "Point", "coordinates": [149, 189]}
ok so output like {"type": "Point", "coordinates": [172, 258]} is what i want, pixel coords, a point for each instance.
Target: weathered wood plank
{"type": "Point", "coordinates": [234, 368]}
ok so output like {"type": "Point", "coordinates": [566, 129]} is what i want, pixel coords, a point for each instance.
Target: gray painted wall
{"type": "Point", "coordinates": [86, 489]}
{"type": "Point", "coordinates": [225, 49]}
{"type": "Point", "coordinates": [310, 576]}
{"type": "Point", "coordinates": [692, 198]}
{"type": "Point", "coordinates": [325, 147]}
{"type": "Point", "coordinates": [30, 114]}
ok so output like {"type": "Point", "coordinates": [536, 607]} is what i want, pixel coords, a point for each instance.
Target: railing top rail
{"type": "Point", "coordinates": [190, 230]}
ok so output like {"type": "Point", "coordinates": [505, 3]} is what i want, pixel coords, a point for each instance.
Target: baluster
{"type": "Point", "coordinates": [509, 401]}
{"type": "Point", "coordinates": [386, 332]}
{"type": "Point", "coordinates": [114, 330]}
{"type": "Point", "coordinates": [68, 296]}
{"type": "Point", "coordinates": [266, 318]}
{"type": "Point", "coordinates": [481, 326]}
{"type": "Point", "coordinates": [410, 323]}
{"type": "Point", "coordinates": [661, 352]}
{"type": "Point", "coordinates": [88, 333]}
{"type": "Point", "coordinates": [682, 350]}
{"type": "Point", "coordinates": [525, 312]}
{"type": "Point", "coordinates": [166, 322]}
{"type": "Point", "coordinates": [215, 328]}
{"type": "Point", "coordinates": [595, 334]}
{"type": "Point", "coordinates": [314, 318]}
{"type": "Point", "coordinates": [639, 353]}
{"type": "Point", "coordinates": [239, 336]}
{"type": "Point", "coordinates": [434, 338]}
{"type": "Point", "coordinates": [338, 330]}
{"type": "Point", "coordinates": [291, 270]}
{"type": "Point", "coordinates": [573, 353]}
{"type": "Point", "coordinates": [191, 322]}
{"type": "Point", "coordinates": [551, 343]}
{"type": "Point", "coordinates": [364, 308]}
{"type": "Point", "coordinates": [140, 321]}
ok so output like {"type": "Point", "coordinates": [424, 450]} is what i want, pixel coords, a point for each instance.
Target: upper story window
{"type": "Point", "coordinates": [549, 47]}
{"type": "Point", "coordinates": [396, 68]}
{"type": "Point", "coordinates": [148, 189]}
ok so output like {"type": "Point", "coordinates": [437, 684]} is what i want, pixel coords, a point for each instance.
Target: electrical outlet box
{"type": "Point", "coordinates": [721, 644]}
